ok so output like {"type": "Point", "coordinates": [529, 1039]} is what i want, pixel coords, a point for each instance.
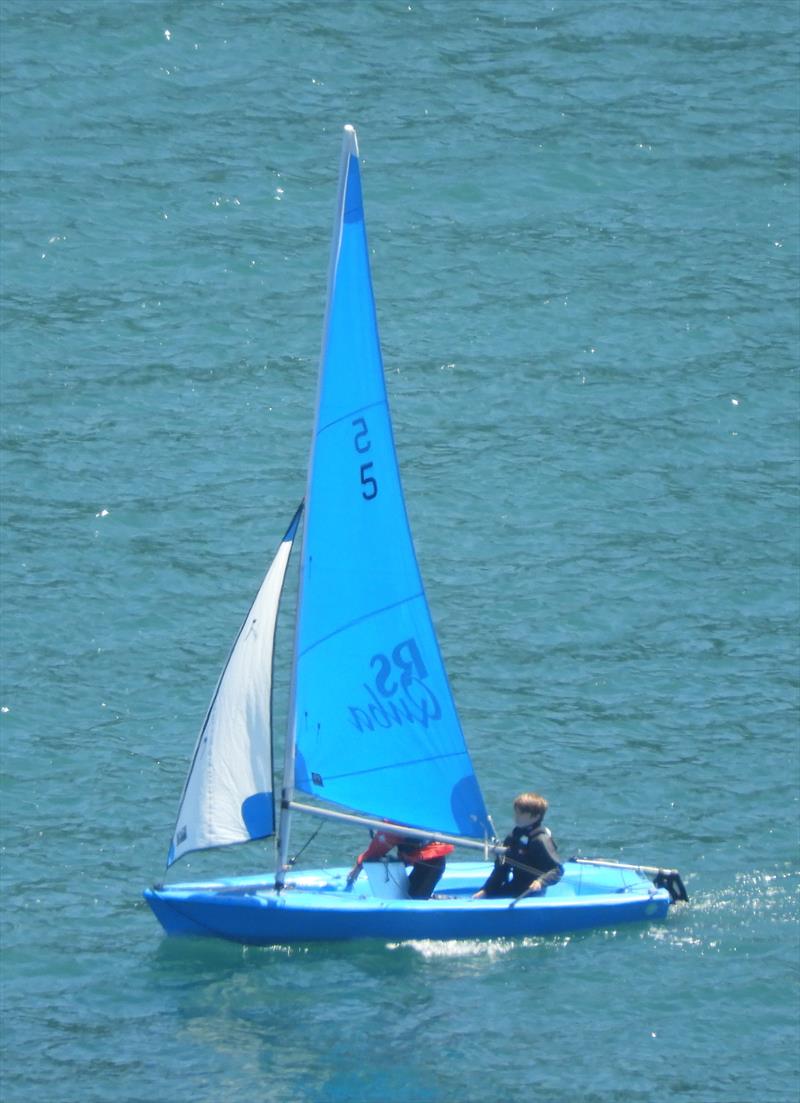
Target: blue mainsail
{"type": "Point", "coordinates": [375, 725]}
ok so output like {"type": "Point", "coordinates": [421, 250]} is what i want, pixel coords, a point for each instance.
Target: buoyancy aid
{"type": "Point", "coordinates": [412, 851]}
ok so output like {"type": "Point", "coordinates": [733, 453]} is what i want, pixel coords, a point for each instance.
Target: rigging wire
{"type": "Point", "coordinates": [306, 844]}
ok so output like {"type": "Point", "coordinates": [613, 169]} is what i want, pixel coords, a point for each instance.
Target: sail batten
{"type": "Point", "coordinates": [396, 766]}
{"type": "Point", "coordinates": [350, 413]}
{"type": "Point", "coordinates": [366, 616]}
{"type": "Point", "coordinates": [373, 721]}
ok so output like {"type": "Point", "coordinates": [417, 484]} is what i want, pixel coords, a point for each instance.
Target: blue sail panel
{"type": "Point", "coordinates": [375, 725]}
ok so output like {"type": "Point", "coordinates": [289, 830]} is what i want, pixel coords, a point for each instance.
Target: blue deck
{"type": "Point", "coordinates": [316, 905]}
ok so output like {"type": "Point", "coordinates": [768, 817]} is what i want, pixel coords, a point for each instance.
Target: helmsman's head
{"type": "Point", "coordinates": [529, 808]}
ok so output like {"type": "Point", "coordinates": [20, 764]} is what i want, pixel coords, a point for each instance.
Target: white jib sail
{"type": "Point", "coordinates": [228, 794]}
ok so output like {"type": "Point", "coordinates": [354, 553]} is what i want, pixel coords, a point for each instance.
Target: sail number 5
{"type": "Point", "coordinates": [362, 444]}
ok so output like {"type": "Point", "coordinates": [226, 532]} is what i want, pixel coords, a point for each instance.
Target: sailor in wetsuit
{"type": "Point", "coordinates": [533, 847]}
{"type": "Point", "coordinates": [427, 859]}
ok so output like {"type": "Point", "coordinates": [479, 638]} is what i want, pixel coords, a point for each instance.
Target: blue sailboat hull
{"type": "Point", "coordinates": [316, 906]}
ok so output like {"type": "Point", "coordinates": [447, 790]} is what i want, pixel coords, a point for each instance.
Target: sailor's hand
{"type": "Point", "coordinates": [536, 887]}
{"type": "Point", "coordinates": [479, 895]}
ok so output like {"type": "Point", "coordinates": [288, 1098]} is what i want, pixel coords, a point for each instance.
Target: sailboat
{"type": "Point", "coordinates": [374, 739]}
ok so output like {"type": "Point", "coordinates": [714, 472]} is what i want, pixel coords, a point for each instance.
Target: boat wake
{"type": "Point", "coordinates": [490, 949]}
{"type": "Point", "coordinates": [429, 948]}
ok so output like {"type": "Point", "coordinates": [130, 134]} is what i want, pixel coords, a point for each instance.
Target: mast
{"type": "Point", "coordinates": [349, 148]}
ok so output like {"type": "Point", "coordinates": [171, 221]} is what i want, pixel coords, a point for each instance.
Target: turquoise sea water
{"type": "Point", "coordinates": [584, 219]}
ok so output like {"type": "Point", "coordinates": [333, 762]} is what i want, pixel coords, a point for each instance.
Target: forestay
{"type": "Point", "coordinates": [228, 793]}
{"type": "Point", "coordinates": [375, 726]}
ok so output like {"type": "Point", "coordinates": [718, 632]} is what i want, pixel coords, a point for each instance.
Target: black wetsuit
{"type": "Point", "coordinates": [532, 846]}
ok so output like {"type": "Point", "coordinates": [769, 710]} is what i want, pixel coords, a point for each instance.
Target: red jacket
{"type": "Point", "coordinates": [411, 851]}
